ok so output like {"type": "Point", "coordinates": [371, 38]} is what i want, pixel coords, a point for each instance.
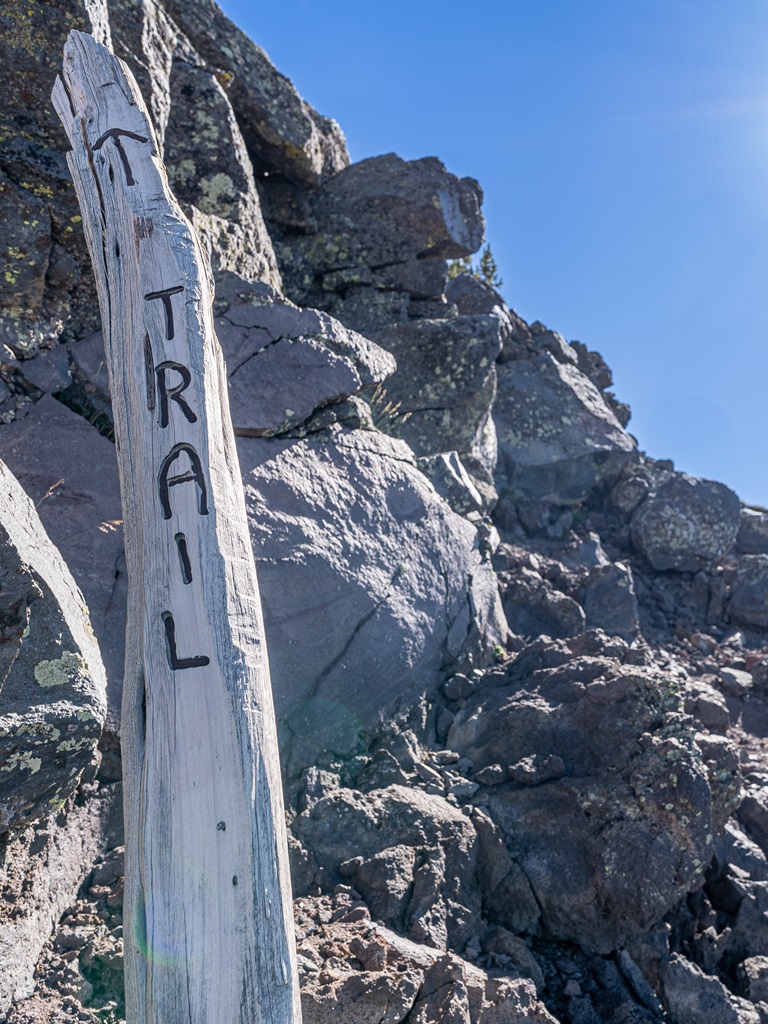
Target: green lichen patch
{"type": "Point", "coordinates": [60, 671]}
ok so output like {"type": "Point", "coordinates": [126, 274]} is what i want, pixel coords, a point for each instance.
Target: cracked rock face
{"type": "Point", "coordinates": [285, 363]}
{"type": "Point", "coordinates": [365, 224]}
{"type": "Point", "coordinates": [280, 128]}
{"type": "Point", "coordinates": [416, 858]}
{"type": "Point", "coordinates": [370, 583]}
{"type": "Point", "coordinates": [220, 199]}
{"type": "Point", "coordinates": [46, 278]}
{"type": "Point", "coordinates": [52, 681]}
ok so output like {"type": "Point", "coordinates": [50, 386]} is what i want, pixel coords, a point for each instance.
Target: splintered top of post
{"type": "Point", "coordinates": [98, 92]}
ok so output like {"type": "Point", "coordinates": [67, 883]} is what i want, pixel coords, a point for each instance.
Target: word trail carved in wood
{"type": "Point", "coordinates": [207, 920]}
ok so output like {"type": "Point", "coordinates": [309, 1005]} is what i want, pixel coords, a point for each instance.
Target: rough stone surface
{"type": "Point", "coordinates": [753, 815]}
{"type": "Point", "coordinates": [419, 858]}
{"type": "Point", "coordinates": [557, 437]}
{"type": "Point", "coordinates": [41, 868]}
{"type": "Point", "coordinates": [46, 281]}
{"type": "Point", "coordinates": [70, 472]}
{"type": "Point", "coordinates": [610, 600]}
{"type": "Point", "coordinates": [51, 675]}
{"type": "Point", "coordinates": [370, 583]}
{"type": "Point", "coordinates": [533, 606]}
{"type": "Point", "coordinates": [284, 363]}
{"type": "Point", "coordinates": [754, 971]}
{"type": "Point", "coordinates": [356, 972]}
{"type": "Point", "coordinates": [280, 129]}
{"type": "Point", "coordinates": [694, 997]}
{"type": "Point", "coordinates": [687, 525]}
{"type": "Point", "coordinates": [377, 212]}
{"type": "Point", "coordinates": [631, 781]}
{"type": "Point", "coordinates": [220, 198]}
{"type": "Point", "coordinates": [445, 382]}
{"type": "Point", "coordinates": [748, 601]}
{"type": "Point", "coordinates": [451, 481]}
{"type": "Point", "coordinates": [752, 538]}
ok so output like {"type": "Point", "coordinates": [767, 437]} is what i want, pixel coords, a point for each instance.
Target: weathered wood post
{"type": "Point", "coordinates": [207, 922]}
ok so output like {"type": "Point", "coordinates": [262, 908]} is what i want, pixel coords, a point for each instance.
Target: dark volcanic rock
{"type": "Point", "coordinates": [694, 997]}
{"type": "Point", "coordinates": [280, 129]}
{"type": "Point", "coordinates": [51, 676]}
{"type": "Point", "coordinates": [46, 281]}
{"type": "Point", "coordinates": [533, 606]}
{"type": "Point", "coordinates": [381, 211]}
{"type": "Point", "coordinates": [419, 857]}
{"type": "Point", "coordinates": [632, 790]}
{"type": "Point", "coordinates": [356, 972]}
{"type": "Point", "coordinates": [752, 538]}
{"type": "Point", "coordinates": [41, 868]}
{"type": "Point", "coordinates": [445, 382]}
{"type": "Point", "coordinates": [687, 524]}
{"type": "Point", "coordinates": [285, 363]}
{"type": "Point", "coordinates": [557, 437]}
{"type": "Point", "coordinates": [748, 603]}
{"type": "Point", "coordinates": [219, 195]}
{"type": "Point", "coordinates": [610, 601]}
{"type": "Point", "coordinates": [370, 583]}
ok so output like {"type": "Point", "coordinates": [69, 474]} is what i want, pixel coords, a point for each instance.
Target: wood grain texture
{"type": "Point", "coordinates": [208, 927]}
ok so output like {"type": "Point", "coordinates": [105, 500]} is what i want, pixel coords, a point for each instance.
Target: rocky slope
{"type": "Point", "coordinates": [520, 669]}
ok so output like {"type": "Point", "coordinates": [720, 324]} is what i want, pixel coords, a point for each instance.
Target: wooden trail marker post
{"type": "Point", "coordinates": [208, 928]}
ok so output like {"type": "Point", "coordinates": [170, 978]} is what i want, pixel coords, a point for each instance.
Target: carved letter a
{"type": "Point", "coordinates": [193, 475]}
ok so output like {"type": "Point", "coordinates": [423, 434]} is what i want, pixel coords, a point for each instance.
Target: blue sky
{"type": "Point", "coordinates": [623, 151]}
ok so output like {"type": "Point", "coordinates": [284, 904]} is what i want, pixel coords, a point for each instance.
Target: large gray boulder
{"type": "Point", "coordinates": [687, 524]}
{"type": "Point", "coordinates": [600, 777]}
{"type": "Point", "coordinates": [557, 436]}
{"type": "Point", "coordinates": [51, 676]}
{"type": "Point", "coordinates": [370, 584]}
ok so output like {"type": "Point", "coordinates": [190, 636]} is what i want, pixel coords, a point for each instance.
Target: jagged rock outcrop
{"type": "Point", "coordinates": [46, 278]}
{"type": "Point", "coordinates": [283, 133]}
{"type": "Point", "coordinates": [389, 584]}
{"type": "Point", "coordinates": [445, 385]}
{"type": "Point", "coordinates": [52, 681]}
{"type": "Point", "coordinates": [615, 734]}
{"type": "Point", "coordinates": [375, 237]}
{"type": "Point", "coordinates": [558, 438]}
